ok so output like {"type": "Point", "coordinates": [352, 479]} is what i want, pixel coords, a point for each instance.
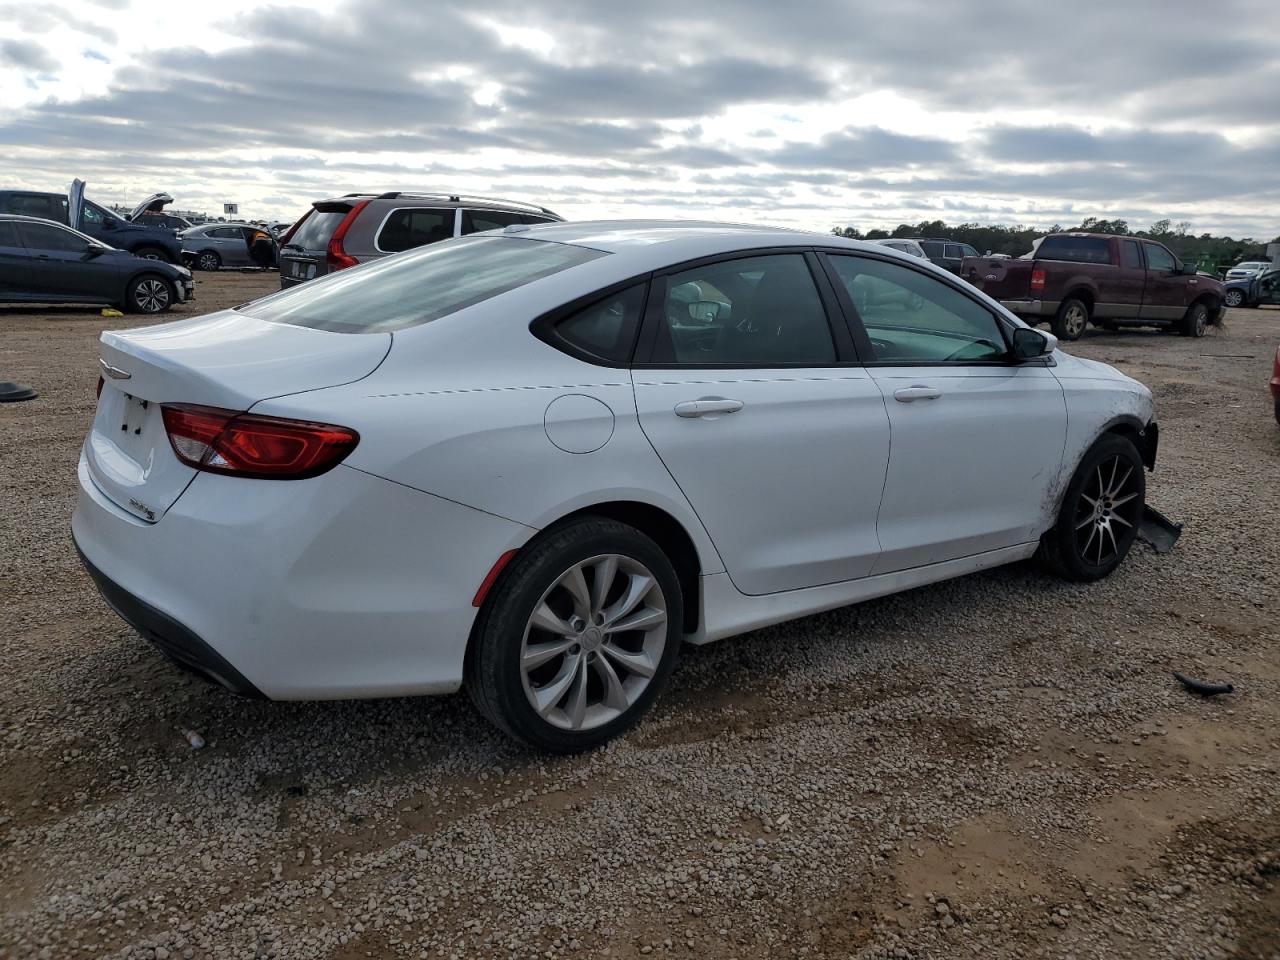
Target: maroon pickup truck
{"type": "Point", "coordinates": [1071, 279]}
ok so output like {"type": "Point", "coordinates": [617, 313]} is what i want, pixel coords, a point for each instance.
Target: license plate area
{"type": "Point", "coordinates": [303, 270]}
{"type": "Point", "coordinates": [130, 433]}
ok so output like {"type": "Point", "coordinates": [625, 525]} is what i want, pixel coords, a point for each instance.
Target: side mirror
{"type": "Point", "coordinates": [1186, 269]}
{"type": "Point", "coordinates": [1031, 344]}
{"type": "Point", "coordinates": [96, 249]}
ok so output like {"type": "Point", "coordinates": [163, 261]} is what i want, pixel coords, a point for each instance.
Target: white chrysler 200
{"type": "Point", "coordinates": [535, 462]}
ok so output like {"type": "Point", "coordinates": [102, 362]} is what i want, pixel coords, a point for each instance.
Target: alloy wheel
{"type": "Point", "coordinates": [1233, 298]}
{"type": "Point", "coordinates": [1106, 511]}
{"type": "Point", "coordinates": [151, 295]}
{"type": "Point", "coordinates": [208, 261]}
{"type": "Point", "coordinates": [1075, 320]}
{"type": "Point", "coordinates": [593, 642]}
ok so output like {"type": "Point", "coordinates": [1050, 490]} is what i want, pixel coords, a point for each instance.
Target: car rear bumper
{"type": "Point", "coordinates": [343, 585]}
{"type": "Point", "coordinates": [1031, 308]}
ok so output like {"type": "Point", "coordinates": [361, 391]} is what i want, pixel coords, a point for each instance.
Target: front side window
{"type": "Point", "coordinates": [754, 312]}
{"type": "Point", "coordinates": [607, 328]}
{"type": "Point", "coordinates": [1159, 260]}
{"type": "Point", "coordinates": [9, 234]}
{"type": "Point", "coordinates": [38, 236]}
{"type": "Point", "coordinates": [409, 228]}
{"type": "Point", "coordinates": [91, 215]}
{"type": "Point", "coordinates": [914, 318]}
{"type": "Point", "coordinates": [392, 293]}
{"type": "Point", "coordinates": [954, 251]}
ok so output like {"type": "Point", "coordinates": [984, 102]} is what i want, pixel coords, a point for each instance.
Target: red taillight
{"type": "Point", "coordinates": [334, 255]}
{"type": "Point", "coordinates": [101, 384]}
{"type": "Point", "coordinates": [249, 445]}
{"type": "Point", "coordinates": [1037, 278]}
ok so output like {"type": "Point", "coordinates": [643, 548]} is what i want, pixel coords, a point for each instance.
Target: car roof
{"type": "Point", "coordinates": [448, 199]}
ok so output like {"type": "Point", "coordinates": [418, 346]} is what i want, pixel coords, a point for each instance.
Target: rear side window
{"type": "Point", "coordinates": [931, 249]}
{"type": "Point", "coordinates": [473, 221]}
{"type": "Point", "coordinates": [1075, 249]}
{"type": "Point", "coordinates": [409, 228]}
{"type": "Point", "coordinates": [393, 293]}
{"type": "Point", "coordinates": [46, 208]}
{"type": "Point", "coordinates": [954, 251]}
{"type": "Point", "coordinates": [318, 227]}
{"type": "Point", "coordinates": [38, 236]}
{"type": "Point", "coordinates": [606, 330]}
{"type": "Point", "coordinates": [1129, 255]}
{"type": "Point", "coordinates": [9, 235]}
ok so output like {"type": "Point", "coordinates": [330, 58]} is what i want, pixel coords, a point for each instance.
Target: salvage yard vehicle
{"type": "Point", "coordinates": [213, 245]}
{"type": "Point", "coordinates": [1247, 269]}
{"type": "Point", "coordinates": [1073, 279]}
{"type": "Point", "coordinates": [1253, 290]}
{"type": "Point", "coordinates": [45, 262]}
{"type": "Point", "coordinates": [535, 462]}
{"type": "Point", "coordinates": [342, 232]}
{"type": "Point", "coordinates": [73, 210]}
{"type": "Point", "coordinates": [947, 254]}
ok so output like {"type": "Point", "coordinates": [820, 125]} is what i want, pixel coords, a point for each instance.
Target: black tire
{"type": "Point", "coordinates": [1072, 319]}
{"type": "Point", "coordinates": [1195, 322]}
{"type": "Point", "coordinates": [496, 679]}
{"type": "Point", "coordinates": [208, 260]}
{"type": "Point", "coordinates": [1068, 548]}
{"type": "Point", "coordinates": [1233, 298]}
{"type": "Point", "coordinates": [149, 293]}
{"type": "Point", "coordinates": [151, 253]}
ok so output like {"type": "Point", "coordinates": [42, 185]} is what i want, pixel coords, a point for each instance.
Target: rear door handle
{"type": "Point", "coordinates": [917, 392]}
{"type": "Point", "coordinates": [708, 406]}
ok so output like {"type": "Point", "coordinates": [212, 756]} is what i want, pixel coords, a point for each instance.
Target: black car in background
{"type": "Point", "coordinates": [74, 210]}
{"type": "Point", "coordinates": [946, 253]}
{"type": "Point", "coordinates": [45, 262]}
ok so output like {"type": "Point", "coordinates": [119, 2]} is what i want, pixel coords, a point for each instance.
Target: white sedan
{"type": "Point", "coordinates": [536, 462]}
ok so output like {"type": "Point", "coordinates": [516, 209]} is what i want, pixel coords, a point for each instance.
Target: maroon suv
{"type": "Point", "coordinates": [1071, 279]}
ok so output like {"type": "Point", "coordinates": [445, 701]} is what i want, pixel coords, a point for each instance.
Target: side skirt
{"type": "Point", "coordinates": [726, 612]}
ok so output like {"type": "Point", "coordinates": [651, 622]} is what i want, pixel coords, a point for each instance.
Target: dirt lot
{"type": "Point", "coordinates": [995, 767]}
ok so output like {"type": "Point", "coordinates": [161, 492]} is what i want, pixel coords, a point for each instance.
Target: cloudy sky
{"type": "Point", "coordinates": [807, 113]}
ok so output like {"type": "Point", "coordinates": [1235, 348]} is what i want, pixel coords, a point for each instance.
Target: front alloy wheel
{"type": "Point", "coordinates": [1101, 509]}
{"type": "Point", "coordinates": [150, 295]}
{"type": "Point", "coordinates": [576, 636]}
{"type": "Point", "coordinates": [1233, 298]}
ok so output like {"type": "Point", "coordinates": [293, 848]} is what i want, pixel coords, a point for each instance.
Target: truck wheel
{"type": "Point", "coordinates": [1072, 318]}
{"type": "Point", "coordinates": [1195, 322]}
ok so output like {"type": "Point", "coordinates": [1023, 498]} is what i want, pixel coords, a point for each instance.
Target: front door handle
{"type": "Point", "coordinates": [917, 392]}
{"type": "Point", "coordinates": [707, 406]}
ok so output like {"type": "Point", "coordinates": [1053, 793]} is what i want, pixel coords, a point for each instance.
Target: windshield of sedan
{"type": "Point", "coordinates": [419, 285]}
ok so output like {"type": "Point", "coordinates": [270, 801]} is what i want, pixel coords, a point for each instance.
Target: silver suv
{"type": "Point", "coordinates": [358, 227]}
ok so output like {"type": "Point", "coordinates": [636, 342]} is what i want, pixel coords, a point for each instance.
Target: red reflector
{"type": "Point", "coordinates": [335, 256]}
{"type": "Point", "coordinates": [492, 575]}
{"type": "Point", "coordinates": [249, 445]}
{"type": "Point", "coordinates": [1037, 278]}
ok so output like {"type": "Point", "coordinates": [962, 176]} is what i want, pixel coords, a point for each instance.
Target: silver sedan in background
{"type": "Point", "coordinates": [213, 245]}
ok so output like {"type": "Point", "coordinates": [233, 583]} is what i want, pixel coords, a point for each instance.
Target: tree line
{"type": "Point", "coordinates": [1205, 249]}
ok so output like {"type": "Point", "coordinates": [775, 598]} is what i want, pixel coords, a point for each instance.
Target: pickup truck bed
{"type": "Point", "coordinates": [1074, 279]}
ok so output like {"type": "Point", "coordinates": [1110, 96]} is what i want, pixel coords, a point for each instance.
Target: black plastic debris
{"type": "Point", "coordinates": [11, 392]}
{"type": "Point", "coordinates": [1202, 687]}
{"type": "Point", "coordinates": [1158, 530]}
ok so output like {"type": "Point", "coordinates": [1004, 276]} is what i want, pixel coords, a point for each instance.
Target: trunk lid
{"type": "Point", "coordinates": [224, 360]}
{"type": "Point", "coordinates": [302, 258]}
{"type": "Point", "coordinates": [156, 202]}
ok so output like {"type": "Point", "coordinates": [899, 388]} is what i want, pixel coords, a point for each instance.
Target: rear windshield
{"type": "Point", "coordinates": [1075, 249]}
{"type": "Point", "coordinates": [317, 228]}
{"type": "Point", "coordinates": [418, 286]}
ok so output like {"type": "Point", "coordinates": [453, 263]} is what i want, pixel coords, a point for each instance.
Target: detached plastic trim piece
{"type": "Point", "coordinates": [11, 392]}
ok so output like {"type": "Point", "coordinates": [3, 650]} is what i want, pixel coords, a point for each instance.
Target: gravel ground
{"type": "Point", "coordinates": [999, 766]}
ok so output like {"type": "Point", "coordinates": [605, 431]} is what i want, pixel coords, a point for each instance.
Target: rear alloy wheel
{"type": "Point", "coordinates": [577, 637]}
{"type": "Point", "coordinates": [208, 260]}
{"type": "Point", "coordinates": [1196, 321]}
{"type": "Point", "coordinates": [1100, 512]}
{"type": "Point", "coordinates": [1072, 318]}
{"type": "Point", "coordinates": [149, 294]}
{"type": "Point", "coordinates": [1233, 298]}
